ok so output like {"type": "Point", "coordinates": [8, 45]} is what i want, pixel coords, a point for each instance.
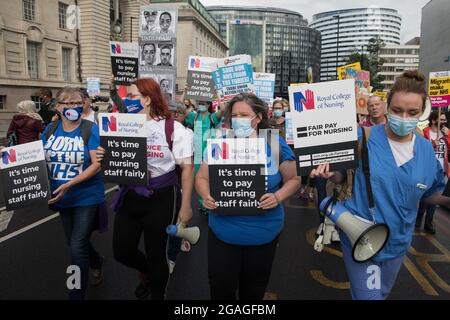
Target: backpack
{"type": "Point", "coordinates": [85, 127]}
{"type": "Point", "coordinates": [13, 139]}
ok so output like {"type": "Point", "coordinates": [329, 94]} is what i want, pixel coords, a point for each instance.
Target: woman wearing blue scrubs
{"type": "Point", "coordinates": [403, 169]}
{"type": "Point", "coordinates": [241, 248]}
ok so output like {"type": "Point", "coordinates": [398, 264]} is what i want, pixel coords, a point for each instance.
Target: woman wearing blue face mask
{"type": "Point", "coordinates": [241, 248]}
{"type": "Point", "coordinates": [403, 169]}
{"type": "Point", "coordinates": [77, 188]}
{"type": "Point", "coordinates": [277, 121]}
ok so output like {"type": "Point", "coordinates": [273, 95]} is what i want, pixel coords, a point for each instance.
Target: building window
{"type": "Point", "coordinates": [66, 52]}
{"type": "Point", "coordinates": [29, 9]}
{"type": "Point", "coordinates": [37, 100]}
{"type": "Point", "coordinates": [2, 102]}
{"type": "Point", "coordinates": [62, 11]}
{"type": "Point", "coordinates": [32, 60]}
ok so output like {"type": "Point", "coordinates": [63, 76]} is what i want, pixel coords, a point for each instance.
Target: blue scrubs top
{"type": "Point", "coordinates": [396, 190]}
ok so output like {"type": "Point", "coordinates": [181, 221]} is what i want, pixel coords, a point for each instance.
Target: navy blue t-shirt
{"type": "Point", "coordinates": [67, 157]}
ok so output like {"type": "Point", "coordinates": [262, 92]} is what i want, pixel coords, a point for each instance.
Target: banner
{"type": "Point", "coordinates": [124, 138]}
{"type": "Point", "coordinates": [236, 75]}
{"type": "Point", "coordinates": [237, 174]}
{"type": "Point", "coordinates": [93, 86]}
{"type": "Point", "coordinates": [264, 86]}
{"type": "Point", "coordinates": [341, 71]}
{"type": "Point", "coordinates": [24, 178]}
{"type": "Point", "coordinates": [124, 61]}
{"type": "Point", "coordinates": [200, 82]}
{"type": "Point", "coordinates": [325, 127]}
{"type": "Point", "coordinates": [439, 89]}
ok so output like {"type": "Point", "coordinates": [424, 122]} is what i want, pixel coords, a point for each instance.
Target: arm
{"type": "Point", "coordinates": [11, 128]}
{"type": "Point", "coordinates": [437, 199]}
{"type": "Point", "coordinates": [291, 183]}
{"type": "Point", "coordinates": [90, 171]}
{"type": "Point", "coordinates": [183, 94]}
{"type": "Point", "coordinates": [187, 182]}
{"type": "Point", "coordinates": [202, 187]}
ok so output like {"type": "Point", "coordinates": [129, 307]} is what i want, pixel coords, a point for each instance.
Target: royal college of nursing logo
{"type": "Point", "coordinates": [195, 63]}
{"type": "Point", "coordinates": [10, 156]}
{"type": "Point", "coordinates": [306, 100]}
{"type": "Point", "coordinates": [116, 48]}
{"type": "Point", "coordinates": [220, 152]}
{"type": "Point", "coordinates": [109, 124]}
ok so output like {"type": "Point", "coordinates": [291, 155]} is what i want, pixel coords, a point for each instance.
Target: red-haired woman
{"type": "Point", "coordinates": [150, 209]}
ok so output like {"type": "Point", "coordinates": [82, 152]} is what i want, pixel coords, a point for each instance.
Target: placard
{"type": "Point", "coordinates": [124, 62]}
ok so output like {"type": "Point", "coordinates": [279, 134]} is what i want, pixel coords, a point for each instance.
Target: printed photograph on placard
{"type": "Point", "coordinates": [158, 21]}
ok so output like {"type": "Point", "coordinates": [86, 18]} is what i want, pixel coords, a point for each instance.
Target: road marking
{"type": "Point", "coordinates": [5, 218]}
{"type": "Point", "coordinates": [37, 223]}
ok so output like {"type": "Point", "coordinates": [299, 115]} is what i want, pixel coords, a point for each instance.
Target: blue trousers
{"type": "Point", "coordinates": [78, 224]}
{"type": "Point", "coordinates": [369, 280]}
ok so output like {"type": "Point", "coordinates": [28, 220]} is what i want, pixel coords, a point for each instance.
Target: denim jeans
{"type": "Point", "coordinates": [78, 224]}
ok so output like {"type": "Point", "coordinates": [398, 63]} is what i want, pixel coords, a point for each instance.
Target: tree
{"type": "Point", "coordinates": [371, 62]}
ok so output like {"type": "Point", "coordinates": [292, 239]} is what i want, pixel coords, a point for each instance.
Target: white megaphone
{"type": "Point", "coordinates": [191, 234]}
{"type": "Point", "coordinates": [367, 239]}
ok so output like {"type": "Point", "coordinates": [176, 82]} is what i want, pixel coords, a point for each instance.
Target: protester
{"type": "Point", "coordinates": [88, 113]}
{"type": "Point", "coordinates": [403, 169]}
{"type": "Point", "coordinates": [190, 105]}
{"type": "Point", "coordinates": [439, 135]}
{"type": "Point", "coordinates": [277, 121]}
{"type": "Point", "coordinates": [47, 105]}
{"type": "Point", "coordinates": [70, 145]}
{"type": "Point", "coordinates": [241, 249]}
{"type": "Point", "coordinates": [27, 125]}
{"type": "Point", "coordinates": [150, 209]}
{"type": "Point", "coordinates": [377, 109]}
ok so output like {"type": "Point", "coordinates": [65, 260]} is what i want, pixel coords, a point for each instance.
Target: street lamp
{"type": "Point", "coordinates": [337, 44]}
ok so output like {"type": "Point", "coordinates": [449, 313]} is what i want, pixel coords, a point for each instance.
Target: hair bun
{"type": "Point", "coordinates": [414, 74]}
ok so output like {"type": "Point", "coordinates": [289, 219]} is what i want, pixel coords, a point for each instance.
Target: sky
{"type": "Point", "coordinates": [409, 10]}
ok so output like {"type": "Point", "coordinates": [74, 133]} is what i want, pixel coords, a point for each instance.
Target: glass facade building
{"type": "Point", "coordinates": [278, 40]}
{"type": "Point", "coordinates": [347, 31]}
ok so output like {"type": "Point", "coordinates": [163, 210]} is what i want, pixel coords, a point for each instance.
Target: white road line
{"type": "Point", "coordinates": [37, 223]}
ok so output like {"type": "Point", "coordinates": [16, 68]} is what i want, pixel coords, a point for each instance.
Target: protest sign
{"type": "Point", "coordinates": [124, 62]}
{"type": "Point", "coordinates": [362, 88]}
{"type": "Point", "coordinates": [439, 89]}
{"type": "Point", "coordinates": [200, 83]}
{"type": "Point", "coordinates": [24, 176]}
{"type": "Point", "coordinates": [341, 71]}
{"type": "Point", "coordinates": [124, 139]}
{"type": "Point", "coordinates": [237, 174]}
{"type": "Point", "coordinates": [264, 86]}
{"type": "Point", "coordinates": [289, 129]}
{"type": "Point", "coordinates": [158, 21]}
{"type": "Point", "coordinates": [93, 86]}
{"type": "Point", "coordinates": [236, 75]}
{"type": "Point", "coordinates": [325, 127]}
{"type": "Point", "coordinates": [381, 94]}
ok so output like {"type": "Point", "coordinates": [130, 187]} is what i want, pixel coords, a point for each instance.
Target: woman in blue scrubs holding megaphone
{"type": "Point", "coordinates": [403, 170]}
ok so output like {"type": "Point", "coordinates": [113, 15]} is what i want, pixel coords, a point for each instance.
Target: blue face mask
{"type": "Point", "coordinates": [133, 106]}
{"type": "Point", "coordinates": [402, 126]}
{"type": "Point", "coordinates": [242, 127]}
{"type": "Point", "coordinates": [72, 114]}
{"type": "Point", "coordinates": [202, 108]}
{"type": "Point", "coordinates": [286, 109]}
{"type": "Point", "coordinates": [277, 113]}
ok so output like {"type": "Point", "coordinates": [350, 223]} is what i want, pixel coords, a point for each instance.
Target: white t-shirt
{"type": "Point", "coordinates": [441, 149]}
{"type": "Point", "coordinates": [402, 151]}
{"type": "Point", "coordinates": [159, 158]}
{"type": "Point", "coordinates": [91, 116]}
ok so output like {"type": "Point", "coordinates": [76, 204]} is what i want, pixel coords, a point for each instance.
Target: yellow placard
{"type": "Point", "coordinates": [341, 70]}
{"type": "Point", "coordinates": [381, 94]}
{"type": "Point", "coordinates": [298, 84]}
{"type": "Point", "coordinates": [439, 88]}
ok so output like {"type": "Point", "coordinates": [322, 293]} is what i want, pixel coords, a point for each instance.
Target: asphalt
{"type": "Point", "coordinates": [33, 262]}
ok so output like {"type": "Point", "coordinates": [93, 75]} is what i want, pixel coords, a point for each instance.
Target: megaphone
{"type": "Point", "coordinates": [366, 239]}
{"type": "Point", "coordinates": [426, 113]}
{"type": "Point", "coordinates": [191, 234]}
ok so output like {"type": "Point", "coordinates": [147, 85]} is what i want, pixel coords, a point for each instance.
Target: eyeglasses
{"type": "Point", "coordinates": [71, 104]}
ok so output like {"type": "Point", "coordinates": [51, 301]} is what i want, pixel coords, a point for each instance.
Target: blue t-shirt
{"type": "Point", "coordinates": [396, 190]}
{"type": "Point", "coordinates": [67, 157]}
{"type": "Point", "coordinates": [256, 229]}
